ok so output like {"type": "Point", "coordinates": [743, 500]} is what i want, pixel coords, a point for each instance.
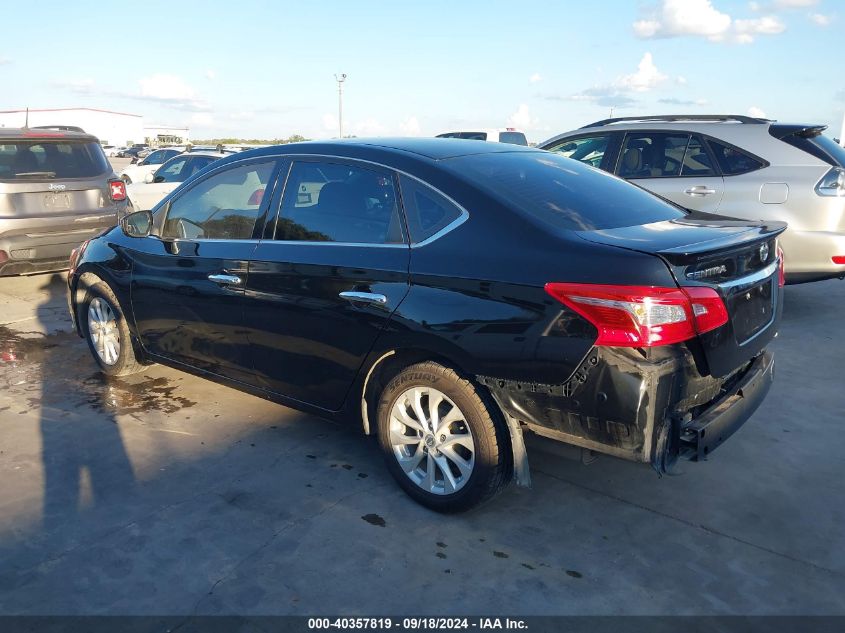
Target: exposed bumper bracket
{"type": "Point", "coordinates": [522, 475]}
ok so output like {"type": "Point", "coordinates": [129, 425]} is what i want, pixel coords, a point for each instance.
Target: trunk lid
{"type": "Point", "coordinates": [39, 199]}
{"type": "Point", "coordinates": [737, 258]}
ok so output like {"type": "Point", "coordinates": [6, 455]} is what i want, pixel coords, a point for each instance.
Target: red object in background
{"type": "Point", "coordinates": [256, 197]}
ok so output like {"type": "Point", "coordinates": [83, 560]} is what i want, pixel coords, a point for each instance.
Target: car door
{"type": "Point", "coordinates": [675, 165]}
{"type": "Point", "coordinates": [188, 279]}
{"type": "Point", "coordinates": [323, 283]}
{"type": "Point", "coordinates": [597, 149]}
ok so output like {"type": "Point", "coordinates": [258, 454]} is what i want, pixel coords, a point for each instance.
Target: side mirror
{"type": "Point", "coordinates": [158, 179]}
{"type": "Point", "coordinates": [137, 224]}
{"type": "Point", "coordinates": [148, 178]}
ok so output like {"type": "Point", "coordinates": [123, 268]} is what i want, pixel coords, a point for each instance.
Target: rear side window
{"type": "Point", "coordinates": [733, 161]}
{"type": "Point", "coordinates": [48, 160]}
{"type": "Point", "coordinates": [589, 150]}
{"type": "Point", "coordinates": [560, 192]}
{"type": "Point", "coordinates": [514, 138]}
{"type": "Point", "coordinates": [180, 168]}
{"type": "Point", "coordinates": [697, 161]}
{"type": "Point", "coordinates": [427, 211]}
{"type": "Point", "coordinates": [223, 206]}
{"type": "Point", "coordinates": [336, 202]}
{"type": "Point", "coordinates": [652, 155]}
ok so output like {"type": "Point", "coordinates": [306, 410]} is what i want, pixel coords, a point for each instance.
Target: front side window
{"type": "Point", "coordinates": [159, 156]}
{"type": "Point", "coordinates": [224, 206]}
{"type": "Point", "coordinates": [335, 202]}
{"type": "Point", "coordinates": [652, 155]}
{"type": "Point", "coordinates": [426, 210]}
{"type": "Point", "coordinates": [172, 170]}
{"type": "Point", "coordinates": [514, 138]}
{"type": "Point", "coordinates": [589, 150]}
{"type": "Point", "coordinates": [733, 161]}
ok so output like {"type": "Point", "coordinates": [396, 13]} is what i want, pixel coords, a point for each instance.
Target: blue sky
{"type": "Point", "coordinates": [256, 68]}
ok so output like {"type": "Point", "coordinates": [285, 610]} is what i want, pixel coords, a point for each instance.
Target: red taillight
{"type": "Point", "coordinates": [838, 259]}
{"type": "Point", "coordinates": [643, 316]}
{"type": "Point", "coordinates": [117, 190]}
{"type": "Point", "coordinates": [781, 268]}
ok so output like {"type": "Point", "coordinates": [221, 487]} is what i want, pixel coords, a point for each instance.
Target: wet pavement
{"type": "Point", "coordinates": [163, 493]}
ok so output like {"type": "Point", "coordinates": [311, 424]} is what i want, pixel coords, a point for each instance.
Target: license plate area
{"type": "Point", "coordinates": [752, 310]}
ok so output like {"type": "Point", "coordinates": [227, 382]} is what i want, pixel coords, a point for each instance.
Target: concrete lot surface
{"type": "Point", "coordinates": [168, 494]}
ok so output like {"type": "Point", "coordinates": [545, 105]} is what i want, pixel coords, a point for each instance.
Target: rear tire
{"type": "Point", "coordinates": [106, 332]}
{"type": "Point", "coordinates": [442, 442]}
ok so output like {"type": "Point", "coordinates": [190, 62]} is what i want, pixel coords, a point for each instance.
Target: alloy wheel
{"type": "Point", "coordinates": [431, 440]}
{"type": "Point", "coordinates": [102, 329]}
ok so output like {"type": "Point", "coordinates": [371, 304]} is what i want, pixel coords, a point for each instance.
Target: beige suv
{"type": "Point", "coordinates": [735, 166]}
{"type": "Point", "coordinates": [57, 189]}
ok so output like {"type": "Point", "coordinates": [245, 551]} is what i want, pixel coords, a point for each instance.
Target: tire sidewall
{"type": "Point", "coordinates": [126, 355]}
{"type": "Point", "coordinates": [479, 422]}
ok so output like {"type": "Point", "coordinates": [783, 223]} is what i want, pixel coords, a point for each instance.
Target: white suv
{"type": "Point", "coordinates": [735, 166]}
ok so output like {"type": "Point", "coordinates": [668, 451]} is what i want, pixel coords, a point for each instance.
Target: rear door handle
{"type": "Point", "coordinates": [700, 190]}
{"type": "Point", "coordinates": [363, 297]}
{"type": "Point", "coordinates": [225, 279]}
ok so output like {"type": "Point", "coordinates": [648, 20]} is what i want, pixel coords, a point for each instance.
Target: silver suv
{"type": "Point", "coordinates": [735, 166]}
{"type": "Point", "coordinates": [57, 189]}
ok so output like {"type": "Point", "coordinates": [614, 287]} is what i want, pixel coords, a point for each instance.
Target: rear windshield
{"type": "Point", "coordinates": [48, 160]}
{"type": "Point", "coordinates": [514, 138]}
{"type": "Point", "coordinates": [561, 192]}
{"type": "Point", "coordinates": [821, 146]}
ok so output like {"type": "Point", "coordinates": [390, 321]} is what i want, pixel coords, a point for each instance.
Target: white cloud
{"type": "Point", "coordinates": [79, 86]}
{"type": "Point", "coordinates": [794, 4]}
{"type": "Point", "coordinates": [522, 118]}
{"type": "Point", "coordinates": [166, 88]}
{"type": "Point", "coordinates": [368, 127]}
{"type": "Point", "coordinates": [819, 19]}
{"type": "Point", "coordinates": [646, 78]}
{"type": "Point", "coordinates": [681, 80]}
{"type": "Point", "coordinates": [536, 77]}
{"type": "Point", "coordinates": [754, 6]}
{"type": "Point", "coordinates": [202, 119]}
{"type": "Point", "coordinates": [684, 17]}
{"type": "Point", "coordinates": [4, 61]}
{"type": "Point", "coordinates": [410, 127]}
{"type": "Point", "coordinates": [756, 112]}
{"type": "Point", "coordinates": [330, 123]}
{"type": "Point", "coordinates": [699, 18]}
{"type": "Point", "coordinates": [210, 74]}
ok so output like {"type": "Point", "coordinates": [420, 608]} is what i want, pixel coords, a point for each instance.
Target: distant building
{"type": "Point", "coordinates": [166, 135]}
{"type": "Point", "coordinates": [112, 128]}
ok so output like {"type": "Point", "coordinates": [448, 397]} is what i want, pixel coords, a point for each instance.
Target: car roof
{"type": "Point", "coordinates": [431, 148]}
{"type": "Point", "coordinates": [25, 133]}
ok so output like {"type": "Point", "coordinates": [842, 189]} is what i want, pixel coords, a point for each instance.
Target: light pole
{"type": "Point", "coordinates": [340, 79]}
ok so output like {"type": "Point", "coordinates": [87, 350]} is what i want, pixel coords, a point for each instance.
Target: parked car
{"type": "Point", "coordinates": [148, 165]}
{"type": "Point", "coordinates": [737, 166]}
{"type": "Point", "coordinates": [172, 173]}
{"type": "Point", "coordinates": [129, 152]}
{"type": "Point", "coordinates": [113, 152]}
{"type": "Point", "coordinates": [448, 296]}
{"type": "Point", "coordinates": [56, 190]}
{"type": "Point", "coordinates": [503, 135]}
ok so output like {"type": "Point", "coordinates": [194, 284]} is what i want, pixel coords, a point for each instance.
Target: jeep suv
{"type": "Point", "coordinates": [56, 190]}
{"type": "Point", "coordinates": [735, 166]}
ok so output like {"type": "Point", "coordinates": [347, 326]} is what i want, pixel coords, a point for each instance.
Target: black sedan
{"type": "Point", "coordinates": [448, 295]}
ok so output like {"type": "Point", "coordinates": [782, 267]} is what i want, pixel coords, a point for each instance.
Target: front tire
{"type": "Point", "coordinates": [104, 326]}
{"type": "Point", "coordinates": [445, 445]}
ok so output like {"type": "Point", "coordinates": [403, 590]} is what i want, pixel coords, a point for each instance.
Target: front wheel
{"type": "Point", "coordinates": [445, 446]}
{"type": "Point", "coordinates": [106, 332]}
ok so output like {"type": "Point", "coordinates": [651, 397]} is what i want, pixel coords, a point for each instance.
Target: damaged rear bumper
{"type": "Point", "coordinates": [646, 407]}
{"type": "Point", "coordinates": [703, 434]}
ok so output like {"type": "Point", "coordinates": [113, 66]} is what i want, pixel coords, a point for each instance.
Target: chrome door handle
{"type": "Point", "coordinates": [225, 280]}
{"type": "Point", "coordinates": [701, 190]}
{"type": "Point", "coordinates": [364, 297]}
